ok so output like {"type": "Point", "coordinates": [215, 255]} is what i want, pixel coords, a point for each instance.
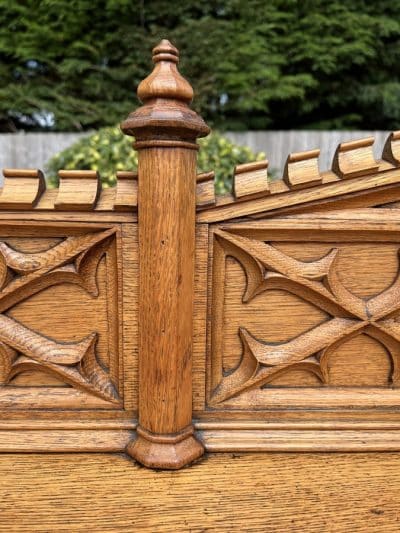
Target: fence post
{"type": "Point", "coordinates": [165, 129]}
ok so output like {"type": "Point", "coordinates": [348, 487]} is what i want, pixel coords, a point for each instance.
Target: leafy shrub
{"type": "Point", "coordinates": [108, 150]}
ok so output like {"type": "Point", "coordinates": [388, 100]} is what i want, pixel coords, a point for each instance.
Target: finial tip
{"type": "Point", "coordinates": [165, 51]}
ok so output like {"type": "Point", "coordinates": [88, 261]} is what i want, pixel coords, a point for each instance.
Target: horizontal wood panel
{"type": "Point", "coordinates": [228, 492]}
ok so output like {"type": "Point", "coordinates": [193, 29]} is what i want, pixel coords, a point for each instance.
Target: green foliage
{"type": "Point", "coordinates": [254, 64]}
{"type": "Point", "coordinates": [108, 150]}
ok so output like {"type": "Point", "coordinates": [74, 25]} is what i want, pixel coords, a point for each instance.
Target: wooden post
{"type": "Point", "coordinates": [166, 129]}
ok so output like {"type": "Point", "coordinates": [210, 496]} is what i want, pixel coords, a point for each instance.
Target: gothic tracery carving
{"type": "Point", "coordinates": [318, 283]}
{"type": "Point", "coordinates": [74, 260]}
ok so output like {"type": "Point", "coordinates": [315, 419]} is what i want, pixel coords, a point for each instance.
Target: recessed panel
{"type": "Point", "coordinates": [60, 319]}
{"type": "Point", "coordinates": [320, 315]}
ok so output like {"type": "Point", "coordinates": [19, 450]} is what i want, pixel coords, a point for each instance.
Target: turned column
{"type": "Point", "coordinates": [165, 129]}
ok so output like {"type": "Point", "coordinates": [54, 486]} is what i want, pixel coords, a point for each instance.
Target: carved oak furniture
{"type": "Point", "coordinates": [158, 319]}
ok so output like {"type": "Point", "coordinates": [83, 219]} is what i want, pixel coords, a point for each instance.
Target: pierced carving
{"type": "Point", "coordinates": [74, 260]}
{"type": "Point", "coordinates": [318, 283]}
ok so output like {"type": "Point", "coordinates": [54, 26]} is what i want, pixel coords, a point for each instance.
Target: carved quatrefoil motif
{"type": "Point", "coordinates": [318, 283]}
{"type": "Point", "coordinates": [74, 260]}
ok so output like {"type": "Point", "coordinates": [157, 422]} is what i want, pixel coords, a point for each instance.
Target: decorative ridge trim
{"type": "Point", "coordinates": [126, 191]}
{"type": "Point", "coordinates": [250, 180]}
{"type": "Point", "coordinates": [302, 181]}
{"type": "Point", "coordinates": [76, 198]}
{"type": "Point", "coordinates": [302, 170]}
{"type": "Point", "coordinates": [355, 158]}
{"type": "Point", "coordinates": [391, 150]}
{"type": "Point", "coordinates": [80, 190]}
{"type": "Point", "coordinates": [22, 188]}
{"type": "Point", "coordinates": [249, 167]}
{"type": "Point", "coordinates": [205, 189]}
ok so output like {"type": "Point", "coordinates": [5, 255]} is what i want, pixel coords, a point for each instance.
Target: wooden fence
{"type": "Point", "coordinates": [156, 319]}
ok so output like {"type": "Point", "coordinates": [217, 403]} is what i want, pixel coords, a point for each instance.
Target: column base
{"type": "Point", "coordinates": [165, 451]}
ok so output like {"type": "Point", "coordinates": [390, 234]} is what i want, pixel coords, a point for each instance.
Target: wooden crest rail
{"type": "Point", "coordinates": [158, 319]}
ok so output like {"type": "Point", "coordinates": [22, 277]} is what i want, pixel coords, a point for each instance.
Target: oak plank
{"type": "Point", "coordinates": [224, 492]}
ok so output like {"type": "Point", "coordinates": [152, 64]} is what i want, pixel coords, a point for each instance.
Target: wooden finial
{"type": "Point", "coordinates": [166, 96]}
{"type": "Point", "coordinates": [165, 81]}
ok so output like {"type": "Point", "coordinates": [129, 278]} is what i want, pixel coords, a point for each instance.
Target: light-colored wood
{"type": "Point", "coordinates": [301, 170]}
{"type": "Point", "coordinates": [79, 190]}
{"type": "Point", "coordinates": [167, 198]}
{"type": "Point", "coordinates": [267, 309]}
{"type": "Point", "coordinates": [22, 188]}
{"type": "Point", "coordinates": [126, 193]}
{"type": "Point", "coordinates": [67, 441]}
{"type": "Point", "coordinates": [355, 158]}
{"type": "Point", "coordinates": [349, 184]}
{"type": "Point", "coordinates": [251, 180]}
{"type": "Point", "coordinates": [391, 150]}
{"type": "Point", "coordinates": [62, 347]}
{"type": "Point", "coordinates": [269, 321]}
{"type": "Point", "coordinates": [229, 492]}
{"type": "Point", "coordinates": [29, 346]}
{"type": "Point", "coordinates": [200, 322]}
{"type": "Point", "coordinates": [383, 186]}
{"type": "Point", "coordinates": [205, 190]}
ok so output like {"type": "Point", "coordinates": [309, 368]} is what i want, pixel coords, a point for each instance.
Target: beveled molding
{"type": "Point", "coordinates": [290, 431]}
{"type": "Point", "coordinates": [32, 435]}
{"type": "Point", "coordinates": [339, 435]}
{"type": "Point", "coordinates": [349, 438]}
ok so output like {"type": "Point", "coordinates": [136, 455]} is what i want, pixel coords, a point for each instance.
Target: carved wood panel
{"type": "Point", "coordinates": [61, 317]}
{"type": "Point", "coordinates": [305, 312]}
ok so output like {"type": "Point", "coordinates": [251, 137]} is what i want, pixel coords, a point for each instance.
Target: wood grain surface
{"type": "Point", "coordinates": [224, 492]}
{"type": "Point", "coordinates": [167, 151]}
{"type": "Point", "coordinates": [292, 324]}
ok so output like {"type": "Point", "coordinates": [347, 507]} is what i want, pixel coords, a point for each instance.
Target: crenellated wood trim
{"type": "Point", "coordinates": [354, 173]}
{"type": "Point", "coordinates": [355, 158]}
{"type": "Point", "coordinates": [301, 170]}
{"type": "Point", "coordinates": [22, 188]}
{"type": "Point", "coordinates": [250, 180]}
{"type": "Point", "coordinates": [205, 189]}
{"type": "Point", "coordinates": [126, 191]}
{"type": "Point", "coordinates": [391, 150]}
{"type": "Point", "coordinates": [79, 190]}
